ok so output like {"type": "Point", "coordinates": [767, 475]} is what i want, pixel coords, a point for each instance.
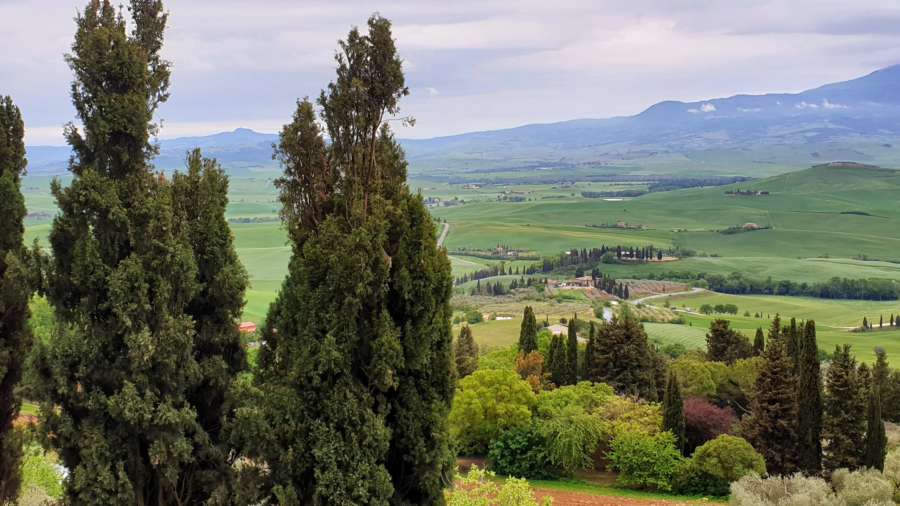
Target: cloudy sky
{"type": "Point", "coordinates": [471, 64]}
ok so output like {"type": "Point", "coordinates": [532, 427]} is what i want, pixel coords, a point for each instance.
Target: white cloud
{"type": "Point", "coordinates": [705, 108]}
{"type": "Point", "coordinates": [806, 105]}
{"type": "Point", "coordinates": [432, 92]}
{"type": "Point", "coordinates": [831, 105]}
{"type": "Point", "coordinates": [749, 109]}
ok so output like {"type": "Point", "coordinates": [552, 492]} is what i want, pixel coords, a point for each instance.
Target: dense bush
{"type": "Point", "coordinates": [645, 461]}
{"type": "Point", "coordinates": [796, 490]}
{"type": "Point", "coordinates": [704, 421]}
{"type": "Point", "coordinates": [522, 452]}
{"type": "Point", "coordinates": [729, 458]}
{"type": "Point", "coordinates": [625, 414]}
{"type": "Point", "coordinates": [586, 395]}
{"type": "Point", "coordinates": [487, 403]}
{"type": "Point", "coordinates": [862, 486]}
{"type": "Point", "coordinates": [572, 437]}
{"type": "Point", "coordinates": [479, 488]}
{"type": "Point", "coordinates": [689, 479]}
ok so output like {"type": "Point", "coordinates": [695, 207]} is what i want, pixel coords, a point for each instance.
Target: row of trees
{"type": "Point", "coordinates": [142, 388]}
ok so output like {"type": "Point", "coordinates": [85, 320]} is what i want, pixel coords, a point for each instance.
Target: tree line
{"type": "Point", "coordinates": [143, 387]}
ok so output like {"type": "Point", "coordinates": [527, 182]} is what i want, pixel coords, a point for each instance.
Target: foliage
{"type": "Point", "coordinates": [771, 427]}
{"type": "Point", "coordinates": [689, 479]}
{"type": "Point", "coordinates": [39, 472]}
{"type": "Point", "coordinates": [729, 458]}
{"type": "Point", "coordinates": [572, 437]}
{"type": "Point", "coordinates": [15, 292]}
{"type": "Point", "coordinates": [694, 376]}
{"type": "Point", "coordinates": [572, 352]}
{"type": "Point", "coordinates": [522, 452]}
{"type": "Point", "coordinates": [465, 352]}
{"type": "Point", "coordinates": [843, 426]}
{"type": "Point", "coordinates": [487, 403]}
{"type": "Point", "coordinates": [726, 345]}
{"type": "Point", "coordinates": [622, 414]}
{"type": "Point", "coordinates": [557, 365]}
{"type": "Point", "coordinates": [809, 401]}
{"type": "Point", "coordinates": [643, 460]}
{"type": "Point", "coordinates": [528, 333]}
{"type": "Point", "coordinates": [876, 438]}
{"type": "Point", "coordinates": [479, 488]}
{"type": "Point", "coordinates": [531, 369]}
{"type": "Point", "coordinates": [793, 490]}
{"type": "Point", "coordinates": [625, 359]}
{"type": "Point", "coordinates": [673, 412]}
{"type": "Point", "coordinates": [588, 396]}
{"type": "Point", "coordinates": [859, 487]}
{"type": "Point", "coordinates": [705, 421]}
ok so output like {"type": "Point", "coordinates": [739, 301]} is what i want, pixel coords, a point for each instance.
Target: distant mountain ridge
{"type": "Point", "coordinates": [856, 120]}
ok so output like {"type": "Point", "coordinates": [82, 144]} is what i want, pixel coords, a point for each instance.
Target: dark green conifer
{"type": "Point", "coordinates": [556, 361]}
{"type": "Point", "coordinates": [772, 426]}
{"type": "Point", "coordinates": [775, 329]}
{"type": "Point", "coordinates": [591, 355]}
{"type": "Point", "coordinates": [528, 332]}
{"type": "Point", "coordinates": [356, 373]}
{"type": "Point", "coordinates": [726, 345]}
{"type": "Point", "coordinates": [876, 437]}
{"type": "Point", "coordinates": [15, 291]}
{"type": "Point", "coordinates": [673, 411]}
{"type": "Point", "coordinates": [881, 371]}
{"type": "Point", "coordinates": [466, 352]}
{"type": "Point", "coordinates": [759, 343]}
{"type": "Point", "coordinates": [625, 359]}
{"type": "Point", "coordinates": [809, 400]}
{"type": "Point", "coordinates": [843, 427]}
{"type": "Point", "coordinates": [792, 338]}
{"type": "Point", "coordinates": [572, 352]}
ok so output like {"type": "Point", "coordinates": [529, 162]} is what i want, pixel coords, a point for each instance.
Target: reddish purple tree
{"type": "Point", "coordinates": [704, 421]}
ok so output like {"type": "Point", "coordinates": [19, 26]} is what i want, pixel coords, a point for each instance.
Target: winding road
{"type": "Point", "coordinates": [660, 295]}
{"type": "Point", "coordinates": [444, 232]}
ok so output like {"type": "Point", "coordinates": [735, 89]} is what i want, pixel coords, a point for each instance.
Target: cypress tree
{"type": "Point", "coordinates": [556, 361]}
{"type": "Point", "coordinates": [572, 352]}
{"type": "Point", "coordinates": [792, 343]}
{"type": "Point", "coordinates": [809, 400]}
{"type": "Point", "coordinates": [528, 332]}
{"type": "Point", "coordinates": [591, 355]}
{"type": "Point", "coordinates": [466, 352]}
{"type": "Point", "coordinates": [775, 329]}
{"type": "Point", "coordinates": [117, 378]}
{"type": "Point", "coordinates": [200, 199]}
{"type": "Point", "coordinates": [356, 373]}
{"type": "Point", "coordinates": [881, 371]}
{"type": "Point", "coordinates": [15, 336]}
{"type": "Point", "coordinates": [843, 427]}
{"type": "Point", "coordinates": [876, 438]}
{"type": "Point", "coordinates": [673, 411]}
{"type": "Point", "coordinates": [759, 343]}
{"type": "Point", "coordinates": [625, 359]}
{"type": "Point", "coordinates": [772, 427]}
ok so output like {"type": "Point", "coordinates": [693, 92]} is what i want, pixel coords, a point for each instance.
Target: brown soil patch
{"type": "Point", "coordinates": [561, 498]}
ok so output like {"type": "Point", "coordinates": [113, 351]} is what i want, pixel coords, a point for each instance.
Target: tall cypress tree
{"type": "Point", "coordinates": [118, 375]}
{"type": "Point", "coordinates": [625, 359]}
{"type": "Point", "coordinates": [572, 352]}
{"type": "Point", "coordinates": [881, 371]}
{"type": "Point", "coordinates": [809, 400]}
{"type": "Point", "coordinates": [775, 329]}
{"type": "Point", "coordinates": [200, 198]}
{"type": "Point", "coordinates": [792, 337]}
{"type": "Point", "coordinates": [759, 343]}
{"type": "Point", "coordinates": [843, 426]}
{"type": "Point", "coordinates": [673, 411]}
{"type": "Point", "coordinates": [876, 437]}
{"type": "Point", "coordinates": [591, 355]}
{"type": "Point", "coordinates": [466, 352]}
{"type": "Point", "coordinates": [356, 373]}
{"type": "Point", "coordinates": [15, 337]}
{"type": "Point", "coordinates": [528, 332]}
{"type": "Point", "coordinates": [772, 427]}
{"type": "Point", "coordinates": [556, 361]}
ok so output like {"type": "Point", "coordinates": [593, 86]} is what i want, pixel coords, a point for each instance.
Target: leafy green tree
{"type": "Point", "coordinates": [625, 358]}
{"type": "Point", "coordinates": [772, 426]}
{"type": "Point", "coordinates": [556, 361]}
{"type": "Point", "coordinates": [117, 379]}
{"type": "Point", "coordinates": [843, 426]}
{"type": "Point", "coordinates": [572, 352]}
{"type": "Point", "coordinates": [528, 333]}
{"type": "Point", "coordinates": [487, 403]}
{"type": "Point", "coordinates": [726, 345]}
{"type": "Point", "coordinates": [759, 343]}
{"type": "Point", "coordinates": [729, 458]}
{"type": "Point", "coordinates": [15, 291]}
{"type": "Point", "coordinates": [876, 437]}
{"type": "Point", "coordinates": [673, 412]}
{"type": "Point", "coordinates": [466, 352]}
{"type": "Point", "coordinates": [645, 460]}
{"type": "Point", "coordinates": [572, 437]}
{"type": "Point", "coordinates": [809, 401]}
{"type": "Point", "coordinates": [522, 452]}
{"type": "Point", "coordinates": [200, 198]}
{"type": "Point", "coordinates": [356, 373]}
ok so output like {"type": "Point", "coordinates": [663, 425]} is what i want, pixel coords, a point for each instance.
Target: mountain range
{"type": "Point", "coordinates": [856, 120]}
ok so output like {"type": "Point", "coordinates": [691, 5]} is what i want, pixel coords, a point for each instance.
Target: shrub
{"type": "Point", "coordinates": [691, 480]}
{"type": "Point", "coordinates": [796, 490]}
{"type": "Point", "coordinates": [623, 414]}
{"type": "Point", "coordinates": [531, 369]}
{"type": "Point", "coordinates": [729, 458]}
{"type": "Point", "coordinates": [572, 438]}
{"type": "Point", "coordinates": [522, 452]}
{"type": "Point", "coordinates": [586, 395]}
{"type": "Point", "coordinates": [862, 486]}
{"type": "Point", "coordinates": [479, 488]}
{"type": "Point", "coordinates": [892, 467]}
{"type": "Point", "coordinates": [645, 461]}
{"type": "Point", "coordinates": [705, 421]}
{"type": "Point", "coordinates": [488, 402]}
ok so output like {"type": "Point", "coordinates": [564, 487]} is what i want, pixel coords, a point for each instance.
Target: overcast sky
{"type": "Point", "coordinates": [470, 64]}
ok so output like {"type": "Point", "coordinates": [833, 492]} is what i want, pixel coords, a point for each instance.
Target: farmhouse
{"type": "Point", "coordinates": [247, 327]}
{"type": "Point", "coordinates": [558, 329]}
